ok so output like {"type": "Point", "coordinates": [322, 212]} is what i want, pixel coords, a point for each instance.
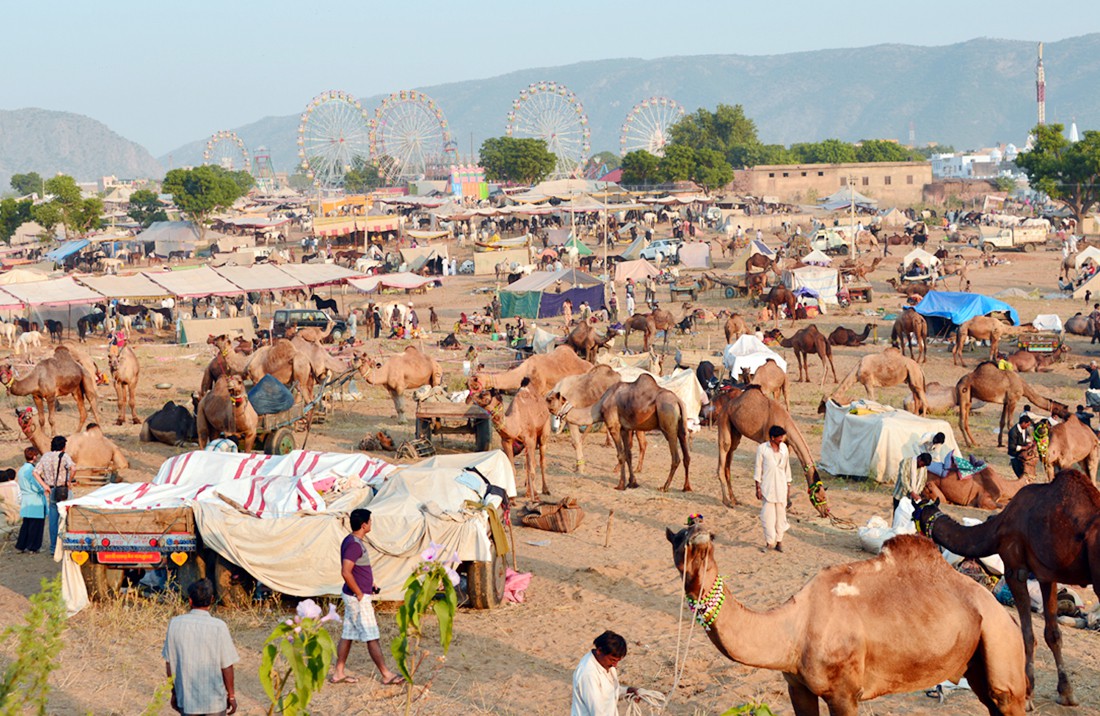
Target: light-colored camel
{"type": "Point", "coordinates": [634, 407]}
{"type": "Point", "coordinates": [979, 328]}
{"type": "Point", "coordinates": [544, 371]}
{"type": "Point", "coordinates": [1047, 530]}
{"type": "Point", "coordinates": [882, 370]}
{"type": "Point", "coordinates": [1027, 362]}
{"type": "Point", "coordinates": [526, 423]}
{"type": "Point", "coordinates": [88, 448]}
{"type": "Point", "coordinates": [282, 360]}
{"type": "Point", "coordinates": [312, 334]}
{"type": "Point", "coordinates": [804, 342]}
{"type": "Point", "coordinates": [585, 342]}
{"type": "Point", "coordinates": [1072, 442]}
{"type": "Point", "coordinates": [226, 361]}
{"type": "Point", "coordinates": [405, 371]}
{"type": "Point", "coordinates": [735, 328]}
{"type": "Point", "coordinates": [900, 622]}
{"type": "Point", "coordinates": [989, 383]}
{"type": "Point", "coordinates": [583, 391]}
{"type": "Point", "coordinates": [908, 327]}
{"type": "Point", "coordinates": [225, 410]}
{"type": "Point", "coordinates": [125, 372]}
{"type": "Point", "coordinates": [984, 489]}
{"type": "Point", "coordinates": [938, 398]}
{"type": "Point", "coordinates": [51, 378]}
{"type": "Point", "coordinates": [321, 363]}
{"type": "Point", "coordinates": [772, 380]}
{"type": "Point", "coordinates": [910, 288]}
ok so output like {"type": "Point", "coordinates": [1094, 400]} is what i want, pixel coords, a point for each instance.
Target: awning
{"type": "Point", "coordinates": [961, 307]}
{"type": "Point", "coordinates": [318, 274]}
{"type": "Point", "coordinates": [260, 277]}
{"type": "Point", "coordinates": [66, 249]}
{"type": "Point", "coordinates": [344, 225]}
{"type": "Point", "coordinates": [56, 291]}
{"type": "Point", "coordinates": [405, 280]}
{"type": "Point", "coordinates": [193, 283]}
{"type": "Point", "coordinates": [135, 286]}
{"type": "Point", "coordinates": [427, 235]}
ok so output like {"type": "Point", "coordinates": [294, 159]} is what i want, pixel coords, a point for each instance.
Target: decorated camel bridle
{"type": "Point", "coordinates": [924, 525]}
{"type": "Point", "coordinates": [706, 608]}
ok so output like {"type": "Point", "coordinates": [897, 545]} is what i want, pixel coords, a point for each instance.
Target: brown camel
{"type": "Point", "coordinates": [585, 342]}
{"type": "Point", "coordinates": [780, 295]}
{"type": "Point", "coordinates": [1027, 362]}
{"type": "Point", "coordinates": [759, 263]}
{"type": "Point", "coordinates": [649, 324]}
{"type": "Point", "coordinates": [772, 380]}
{"type": "Point", "coordinates": [51, 378]}
{"type": "Point", "coordinates": [749, 413]}
{"type": "Point", "coordinates": [227, 361]}
{"type": "Point", "coordinates": [1072, 442]}
{"type": "Point", "coordinates": [125, 371]}
{"type": "Point", "coordinates": [938, 398]}
{"type": "Point", "coordinates": [634, 407]}
{"type": "Point", "coordinates": [1080, 325]}
{"type": "Point", "coordinates": [858, 269]}
{"type": "Point", "coordinates": [980, 328]}
{"type": "Point", "coordinates": [865, 629]}
{"type": "Point", "coordinates": [882, 370]}
{"type": "Point", "coordinates": [842, 336]}
{"type": "Point", "coordinates": [312, 334]}
{"type": "Point", "coordinates": [89, 448]}
{"type": "Point", "coordinates": [401, 372]}
{"type": "Point", "coordinates": [282, 360]}
{"type": "Point", "coordinates": [545, 371]}
{"type": "Point", "coordinates": [910, 326]}
{"type": "Point", "coordinates": [225, 410]}
{"type": "Point", "coordinates": [985, 489]}
{"type": "Point", "coordinates": [321, 363]}
{"type": "Point", "coordinates": [735, 327]}
{"type": "Point", "coordinates": [1051, 531]}
{"type": "Point", "coordinates": [804, 342]}
{"type": "Point", "coordinates": [526, 423]}
{"type": "Point", "coordinates": [909, 288]}
{"type": "Point", "coordinates": [989, 383]}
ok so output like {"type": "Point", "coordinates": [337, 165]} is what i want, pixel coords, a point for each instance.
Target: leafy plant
{"type": "Point", "coordinates": [750, 709]}
{"type": "Point", "coordinates": [296, 658]}
{"type": "Point", "coordinates": [161, 698]}
{"type": "Point", "coordinates": [25, 685]}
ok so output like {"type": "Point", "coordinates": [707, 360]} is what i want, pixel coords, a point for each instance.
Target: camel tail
{"type": "Point", "coordinates": [681, 436]}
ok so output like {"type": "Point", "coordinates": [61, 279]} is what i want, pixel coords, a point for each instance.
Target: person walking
{"type": "Point", "coordinates": [613, 307]}
{"type": "Point", "coordinates": [199, 653]}
{"type": "Point", "coordinates": [54, 473]}
{"type": "Point", "coordinates": [772, 475]}
{"type": "Point", "coordinates": [596, 688]}
{"type": "Point", "coordinates": [32, 505]}
{"type": "Point", "coordinates": [359, 621]}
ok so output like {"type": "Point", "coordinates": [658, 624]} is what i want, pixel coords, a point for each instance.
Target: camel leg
{"type": "Point", "coordinates": [133, 403]}
{"type": "Point", "coordinates": [541, 442]}
{"type": "Point", "coordinates": [1020, 596]}
{"type": "Point", "coordinates": [248, 441]}
{"type": "Point", "coordinates": [963, 399]}
{"type": "Point", "coordinates": [120, 393]}
{"type": "Point", "coordinates": [617, 438]}
{"type": "Point", "coordinates": [399, 405]}
{"type": "Point", "coordinates": [1053, 635]}
{"type": "Point", "coordinates": [728, 441]}
{"type": "Point", "coordinates": [577, 437]}
{"type": "Point", "coordinates": [1006, 418]}
{"type": "Point", "coordinates": [641, 448]}
{"type": "Point", "coordinates": [41, 408]}
{"type": "Point", "coordinates": [627, 456]}
{"type": "Point", "coordinates": [803, 701]}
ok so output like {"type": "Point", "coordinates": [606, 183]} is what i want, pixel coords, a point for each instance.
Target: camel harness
{"type": "Point", "coordinates": [706, 609]}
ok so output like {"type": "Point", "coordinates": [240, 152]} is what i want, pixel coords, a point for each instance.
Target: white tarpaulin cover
{"type": "Point", "coordinates": [201, 281]}
{"type": "Point", "coordinates": [927, 260]}
{"type": "Point", "coordinates": [318, 274]}
{"type": "Point", "coordinates": [135, 286]}
{"type": "Point", "coordinates": [52, 291]}
{"type": "Point", "coordinates": [695, 254]}
{"type": "Point", "coordinates": [682, 382]}
{"type": "Point", "coordinates": [638, 269]}
{"type": "Point", "coordinates": [1048, 322]}
{"type": "Point", "coordinates": [817, 257]}
{"type": "Point", "coordinates": [748, 351]}
{"type": "Point", "coordinates": [822, 281]}
{"type": "Point", "coordinates": [1089, 253]}
{"type": "Point", "coordinates": [259, 277]}
{"type": "Point", "coordinates": [873, 444]}
{"type": "Point", "coordinates": [391, 280]}
{"type": "Point", "coordinates": [543, 341]}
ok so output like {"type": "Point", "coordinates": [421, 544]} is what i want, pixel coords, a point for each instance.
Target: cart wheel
{"type": "Point", "coordinates": [972, 242]}
{"type": "Point", "coordinates": [336, 336]}
{"type": "Point", "coordinates": [102, 582]}
{"type": "Point", "coordinates": [483, 432]}
{"type": "Point", "coordinates": [424, 428]}
{"type": "Point", "coordinates": [279, 442]}
{"type": "Point", "coordinates": [730, 293]}
{"type": "Point", "coordinates": [870, 296]}
{"type": "Point", "coordinates": [1028, 248]}
{"type": "Point", "coordinates": [232, 583]}
{"type": "Point", "coordinates": [485, 582]}
{"type": "Point", "coordinates": [842, 250]}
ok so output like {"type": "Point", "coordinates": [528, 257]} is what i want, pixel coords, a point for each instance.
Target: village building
{"type": "Point", "coordinates": [891, 183]}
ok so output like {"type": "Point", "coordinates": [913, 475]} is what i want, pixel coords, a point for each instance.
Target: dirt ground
{"type": "Point", "coordinates": [519, 659]}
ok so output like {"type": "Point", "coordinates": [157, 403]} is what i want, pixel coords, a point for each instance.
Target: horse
{"type": "Point", "coordinates": [323, 304]}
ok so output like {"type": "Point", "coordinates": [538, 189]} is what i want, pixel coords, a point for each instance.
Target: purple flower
{"type": "Point", "coordinates": [308, 609]}
{"type": "Point", "coordinates": [332, 615]}
{"type": "Point", "coordinates": [430, 554]}
{"type": "Point", "coordinates": [452, 575]}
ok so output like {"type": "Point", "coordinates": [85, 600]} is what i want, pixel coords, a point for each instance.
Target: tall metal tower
{"type": "Point", "coordinates": [263, 172]}
{"type": "Point", "coordinates": [1041, 87]}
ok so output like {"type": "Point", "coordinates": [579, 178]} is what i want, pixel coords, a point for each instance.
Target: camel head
{"type": "Point", "coordinates": [693, 555]}
{"type": "Point", "coordinates": [925, 513]}
{"type": "Point", "coordinates": [7, 375]}
{"type": "Point", "coordinates": [235, 386]}
{"type": "Point", "coordinates": [558, 405]}
{"type": "Point", "coordinates": [25, 417]}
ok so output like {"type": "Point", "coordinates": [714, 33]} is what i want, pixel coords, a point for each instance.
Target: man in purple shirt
{"type": "Point", "coordinates": [359, 622]}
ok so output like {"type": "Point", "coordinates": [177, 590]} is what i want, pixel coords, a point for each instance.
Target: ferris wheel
{"type": "Point", "coordinates": [647, 124]}
{"type": "Point", "coordinates": [409, 137]}
{"type": "Point", "coordinates": [550, 111]}
{"type": "Point", "coordinates": [226, 150]}
{"type": "Point", "coordinates": [333, 133]}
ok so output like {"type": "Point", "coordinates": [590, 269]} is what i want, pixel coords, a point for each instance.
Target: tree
{"type": "Point", "coordinates": [201, 191]}
{"type": "Point", "coordinates": [24, 184]}
{"type": "Point", "coordinates": [13, 214]}
{"type": "Point", "coordinates": [640, 167]}
{"type": "Point", "coordinates": [751, 155]}
{"type": "Point", "coordinates": [829, 151]}
{"type": "Point", "coordinates": [145, 208]}
{"type": "Point", "coordinates": [609, 161]}
{"type": "Point", "coordinates": [1066, 171]}
{"type": "Point", "coordinates": [48, 215]}
{"type": "Point", "coordinates": [299, 182]}
{"type": "Point", "coordinates": [721, 130]}
{"type": "Point", "coordinates": [511, 159]}
{"type": "Point", "coordinates": [243, 180]}
{"type": "Point", "coordinates": [880, 150]}
{"type": "Point", "coordinates": [363, 177]}
{"type": "Point", "coordinates": [712, 171]}
{"type": "Point", "coordinates": [1005, 184]}
{"type": "Point", "coordinates": [678, 163]}
{"type": "Point", "coordinates": [77, 214]}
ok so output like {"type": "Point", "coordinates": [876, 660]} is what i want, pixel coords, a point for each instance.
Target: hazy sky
{"type": "Point", "coordinates": [166, 73]}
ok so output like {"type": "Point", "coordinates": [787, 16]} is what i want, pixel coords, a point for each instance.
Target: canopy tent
{"type": "Point", "coordinates": [313, 275]}
{"type": "Point", "coordinates": [542, 293]}
{"type": "Point", "coordinates": [817, 258]}
{"type": "Point", "coordinates": [576, 245]}
{"type": "Point", "coordinates": [866, 439]}
{"type": "Point", "coordinates": [557, 237]}
{"type": "Point", "coordinates": [417, 257]}
{"type": "Point", "coordinates": [893, 218]}
{"type": "Point", "coordinates": [1089, 253]}
{"type": "Point", "coordinates": [634, 251]}
{"type": "Point", "coordinates": [66, 250]}
{"type": "Point", "coordinates": [961, 307]}
{"type": "Point", "coordinates": [427, 235]}
{"type": "Point", "coordinates": [22, 275]}
{"type": "Point", "coordinates": [639, 270]}
{"type": "Point", "coordinates": [136, 286]}
{"type": "Point", "coordinates": [198, 330]}
{"type": "Point", "coordinates": [749, 352]}
{"type": "Point", "coordinates": [820, 282]}
{"type": "Point", "coordinates": [405, 280]}
{"type": "Point", "coordinates": [344, 225]}
{"type": "Point", "coordinates": [259, 277]}
{"type": "Point", "coordinates": [194, 283]}
{"type": "Point", "coordinates": [169, 236]}
{"type": "Point", "coordinates": [926, 259]}
{"type": "Point", "coordinates": [9, 302]}
{"type": "Point", "coordinates": [695, 254]}
{"type": "Point", "coordinates": [844, 198]}
{"type": "Point", "coordinates": [485, 262]}
{"type": "Point", "coordinates": [55, 291]}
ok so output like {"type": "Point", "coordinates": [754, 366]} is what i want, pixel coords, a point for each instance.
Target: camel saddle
{"type": "Point", "coordinates": [562, 516]}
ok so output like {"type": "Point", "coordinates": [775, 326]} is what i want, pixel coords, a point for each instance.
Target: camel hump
{"type": "Point", "coordinates": [93, 430]}
{"type": "Point", "coordinates": [910, 549]}
{"type": "Point", "coordinates": [411, 350]}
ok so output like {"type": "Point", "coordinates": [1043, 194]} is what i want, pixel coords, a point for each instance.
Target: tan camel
{"type": "Point", "coordinates": [634, 407]}
{"type": "Point", "coordinates": [1027, 362]}
{"type": "Point", "coordinates": [772, 380]}
{"type": "Point", "coordinates": [749, 413]}
{"type": "Point", "coordinates": [1072, 442]}
{"type": "Point", "coordinates": [979, 328]}
{"type": "Point", "coordinates": [842, 336]}
{"type": "Point", "coordinates": [804, 342]}
{"type": "Point", "coordinates": [89, 448]}
{"type": "Point", "coordinates": [586, 342]}
{"type": "Point", "coordinates": [311, 334]}
{"type": "Point", "coordinates": [283, 361]}
{"type": "Point", "coordinates": [85, 361]}
{"type": "Point", "coordinates": [51, 378]}
{"type": "Point", "coordinates": [989, 383]}
{"type": "Point", "coordinates": [882, 370]}
{"type": "Point", "coordinates": [227, 361]}
{"type": "Point", "coordinates": [545, 371]}
{"type": "Point", "coordinates": [649, 324]}
{"type": "Point", "coordinates": [398, 373]}
{"type": "Point", "coordinates": [910, 288]}
{"type": "Point", "coordinates": [938, 398]}
{"type": "Point", "coordinates": [526, 423]}
{"type": "Point", "coordinates": [780, 295]}
{"type": "Point", "coordinates": [862, 630]}
{"type": "Point", "coordinates": [985, 489]}
{"type": "Point", "coordinates": [910, 326]}
{"type": "Point", "coordinates": [321, 363]}
{"type": "Point", "coordinates": [225, 410]}
{"type": "Point", "coordinates": [583, 391]}
{"type": "Point", "coordinates": [1047, 530]}
{"type": "Point", "coordinates": [735, 327]}
{"type": "Point", "coordinates": [125, 371]}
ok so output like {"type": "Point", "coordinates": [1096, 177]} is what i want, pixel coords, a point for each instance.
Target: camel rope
{"type": "Point", "coordinates": [680, 666]}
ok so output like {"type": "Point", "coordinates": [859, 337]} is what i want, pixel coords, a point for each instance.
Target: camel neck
{"type": "Point", "coordinates": [977, 541]}
{"type": "Point", "coordinates": [764, 640]}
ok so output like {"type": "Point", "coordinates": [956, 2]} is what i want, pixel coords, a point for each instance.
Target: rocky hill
{"type": "Point", "coordinates": [49, 142]}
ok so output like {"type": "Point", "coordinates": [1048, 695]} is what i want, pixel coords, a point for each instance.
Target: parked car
{"type": "Point", "coordinates": [666, 249]}
{"type": "Point", "coordinates": [303, 317]}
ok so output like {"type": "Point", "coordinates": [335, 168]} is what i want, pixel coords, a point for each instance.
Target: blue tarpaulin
{"type": "Point", "coordinates": [961, 307]}
{"type": "Point", "coordinates": [66, 249]}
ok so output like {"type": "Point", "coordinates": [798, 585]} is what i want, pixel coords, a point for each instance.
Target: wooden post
{"type": "Point", "coordinates": [607, 530]}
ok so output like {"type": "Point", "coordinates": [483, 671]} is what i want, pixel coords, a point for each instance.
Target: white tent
{"type": "Point", "coordinates": [135, 286]}
{"type": "Point", "coordinates": [695, 254]}
{"type": "Point", "coordinates": [57, 291]}
{"type": "Point", "coordinates": [314, 275]}
{"type": "Point", "coordinates": [923, 256]}
{"type": "Point", "coordinates": [634, 251]}
{"type": "Point", "coordinates": [260, 277]}
{"type": "Point", "coordinates": [821, 281]}
{"type": "Point", "coordinates": [639, 270]}
{"type": "Point", "coordinates": [817, 257]}
{"type": "Point", "coordinates": [404, 280]}
{"type": "Point", "coordinates": [194, 283]}
{"type": "Point", "coordinates": [1048, 322]}
{"type": "Point", "coordinates": [872, 441]}
{"type": "Point", "coordinates": [749, 352]}
{"type": "Point", "coordinates": [1089, 253]}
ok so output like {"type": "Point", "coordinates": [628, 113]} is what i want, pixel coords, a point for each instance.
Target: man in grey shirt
{"type": "Point", "coordinates": [199, 652]}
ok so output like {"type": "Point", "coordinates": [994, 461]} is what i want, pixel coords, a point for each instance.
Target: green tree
{"type": "Point", "coordinates": [712, 171]}
{"type": "Point", "coordinates": [678, 163]}
{"type": "Point", "coordinates": [24, 184]}
{"type": "Point", "coordinates": [608, 160]}
{"type": "Point", "coordinates": [67, 207]}
{"type": "Point", "coordinates": [751, 155]}
{"type": "Point", "coordinates": [243, 180]}
{"type": "Point", "coordinates": [721, 130]}
{"type": "Point", "coordinates": [1069, 172]}
{"type": "Point", "coordinates": [145, 208]}
{"type": "Point", "coordinates": [299, 182]}
{"type": "Point", "coordinates": [512, 159]}
{"type": "Point", "coordinates": [829, 151]}
{"type": "Point", "coordinates": [640, 167]}
{"type": "Point", "coordinates": [48, 215]}
{"type": "Point", "coordinates": [363, 177]}
{"type": "Point", "coordinates": [13, 214]}
{"type": "Point", "coordinates": [880, 150]}
{"type": "Point", "coordinates": [202, 191]}
{"type": "Point", "coordinates": [927, 151]}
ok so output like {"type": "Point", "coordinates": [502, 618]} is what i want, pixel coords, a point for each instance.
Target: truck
{"type": "Point", "coordinates": [284, 318]}
{"type": "Point", "coordinates": [1024, 238]}
{"type": "Point", "coordinates": [831, 241]}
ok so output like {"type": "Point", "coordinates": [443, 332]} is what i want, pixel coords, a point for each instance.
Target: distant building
{"type": "Point", "coordinates": [890, 183]}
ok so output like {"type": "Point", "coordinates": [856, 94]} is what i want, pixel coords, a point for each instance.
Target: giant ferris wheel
{"type": "Point", "coordinates": [334, 133]}
{"type": "Point", "coordinates": [410, 138]}
{"type": "Point", "coordinates": [646, 126]}
{"type": "Point", "coordinates": [551, 112]}
{"type": "Point", "coordinates": [226, 150]}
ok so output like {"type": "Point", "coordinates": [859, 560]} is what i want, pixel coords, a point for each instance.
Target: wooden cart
{"type": "Point", "coordinates": [440, 418]}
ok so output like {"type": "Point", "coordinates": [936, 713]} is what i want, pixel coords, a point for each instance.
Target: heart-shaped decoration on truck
{"type": "Point", "coordinates": [79, 557]}
{"type": "Point", "coordinates": [178, 557]}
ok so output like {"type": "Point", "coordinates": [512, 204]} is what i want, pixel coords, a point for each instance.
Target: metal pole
{"type": "Point", "coordinates": [852, 209]}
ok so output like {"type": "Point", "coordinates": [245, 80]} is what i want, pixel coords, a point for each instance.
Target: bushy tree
{"type": "Point", "coordinates": [880, 150]}
{"type": "Point", "coordinates": [1064, 170]}
{"type": "Point", "coordinates": [678, 163]}
{"type": "Point", "coordinates": [47, 214]}
{"type": "Point", "coordinates": [13, 214]}
{"type": "Point", "coordinates": [202, 191]}
{"type": "Point", "coordinates": [67, 207]}
{"type": "Point", "coordinates": [24, 184]}
{"type": "Point", "coordinates": [608, 160]}
{"type": "Point", "coordinates": [712, 171]}
{"type": "Point", "coordinates": [145, 208]}
{"type": "Point", "coordinates": [513, 159]}
{"type": "Point", "coordinates": [363, 177]}
{"type": "Point", "coordinates": [640, 167]}
{"type": "Point", "coordinates": [828, 151]}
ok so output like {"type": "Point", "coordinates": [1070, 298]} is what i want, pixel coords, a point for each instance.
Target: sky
{"type": "Point", "coordinates": [166, 73]}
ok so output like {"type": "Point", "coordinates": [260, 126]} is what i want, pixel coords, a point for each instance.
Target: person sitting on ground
{"type": "Point", "coordinates": [596, 688]}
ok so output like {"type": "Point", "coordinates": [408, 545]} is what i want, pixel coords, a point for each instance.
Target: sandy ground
{"type": "Point", "coordinates": [519, 659]}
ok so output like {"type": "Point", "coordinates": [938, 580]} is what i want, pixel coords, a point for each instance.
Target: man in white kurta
{"type": "Point", "coordinates": [773, 476]}
{"type": "Point", "coordinates": [596, 689]}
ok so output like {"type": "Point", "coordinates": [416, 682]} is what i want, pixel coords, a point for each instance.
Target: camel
{"type": "Point", "coordinates": [989, 383]}
{"type": "Point", "coordinates": [780, 295]}
{"type": "Point", "coordinates": [51, 378]}
{"type": "Point", "coordinates": [980, 328]}
{"type": "Point", "coordinates": [585, 342]}
{"type": "Point", "coordinates": [772, 380]}
{"type": "Point", "coordinates": [1072, 442]}
{"type": "Point", "coordinates": [89, 448]}
{"type": "Point", "coordinates": [401, 372]}
{"type": "Point", "coordinates": [908, 327]}
{"type": "Point", "coordinates": [544, 371]}
{"type": "Point", "coordinates": [1080, 325]}
{"type": "Point", "coordinates": [312, 334]}
{"type": "Point", "coordinates": [125, 371]}
{"type": "Point", "coordinates": [633, 407]}
{"type": "Point", "coordinates": [908, 288]}
{"type": "Point", "coordinates": [321, 363]}
{"type": "Point", "coordinates": [526, 423]}
{"type": "Point", "coordinates": [865, 629]}
{"type": "Point", "coordinates": [858, 269]}
{"type": "Point", "coordinates": [649, 324]}
{"type": "Point", "coordinates": [1025, 361]}
{"type": "Point", "coordinates": [761, 264]}
{"type": "Point", "coordinates": [882, 370]}
{"type": "Point", "coordinates": [938, 398]}
{"type": "Point", "coordinates": [583, 391]}
{"type": "Point", "coordinates": [804, 342]}
{"type": "Point", "coordinates": [842, 336]}
{"type": "Point", "coordinates": [225, 410]}
{"type": "Point", "coordinates": [1049, 530]}
{"type": "Point", "coordinates": [735, 328]}
{"type": "Point", "coordinates": [749, 413]}
{"type": "Point", "coordinates": [226, 361]}
{"type": "Point", "coordinates": [282, 360]}
{"type": "Point", "coordinates": [985, 489]}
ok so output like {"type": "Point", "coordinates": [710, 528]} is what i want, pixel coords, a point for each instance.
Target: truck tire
{"type": "Point", "coordinates": [336, 336]}
{"type": "Point", "coordinates": [870, 295]}
{"type": "Point", "coordinates": [987, 248]}
{"type": "Point", "coordinates": [972, 242]}
{"type": "Point", "coordinates": [279, 442]}
{"type": "Point", "coordinates": [842, 250]}
{"type": "Point", "coordinates": [485, 582]}
{"type": "Point", "coordinates": [102, 582]}
{"type": "Point", "coordinates": [483, 434]}
{"type": "Point", "coordinates": [1028, 248]}
{"type": "Point", "coordinates": [233, 586]}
